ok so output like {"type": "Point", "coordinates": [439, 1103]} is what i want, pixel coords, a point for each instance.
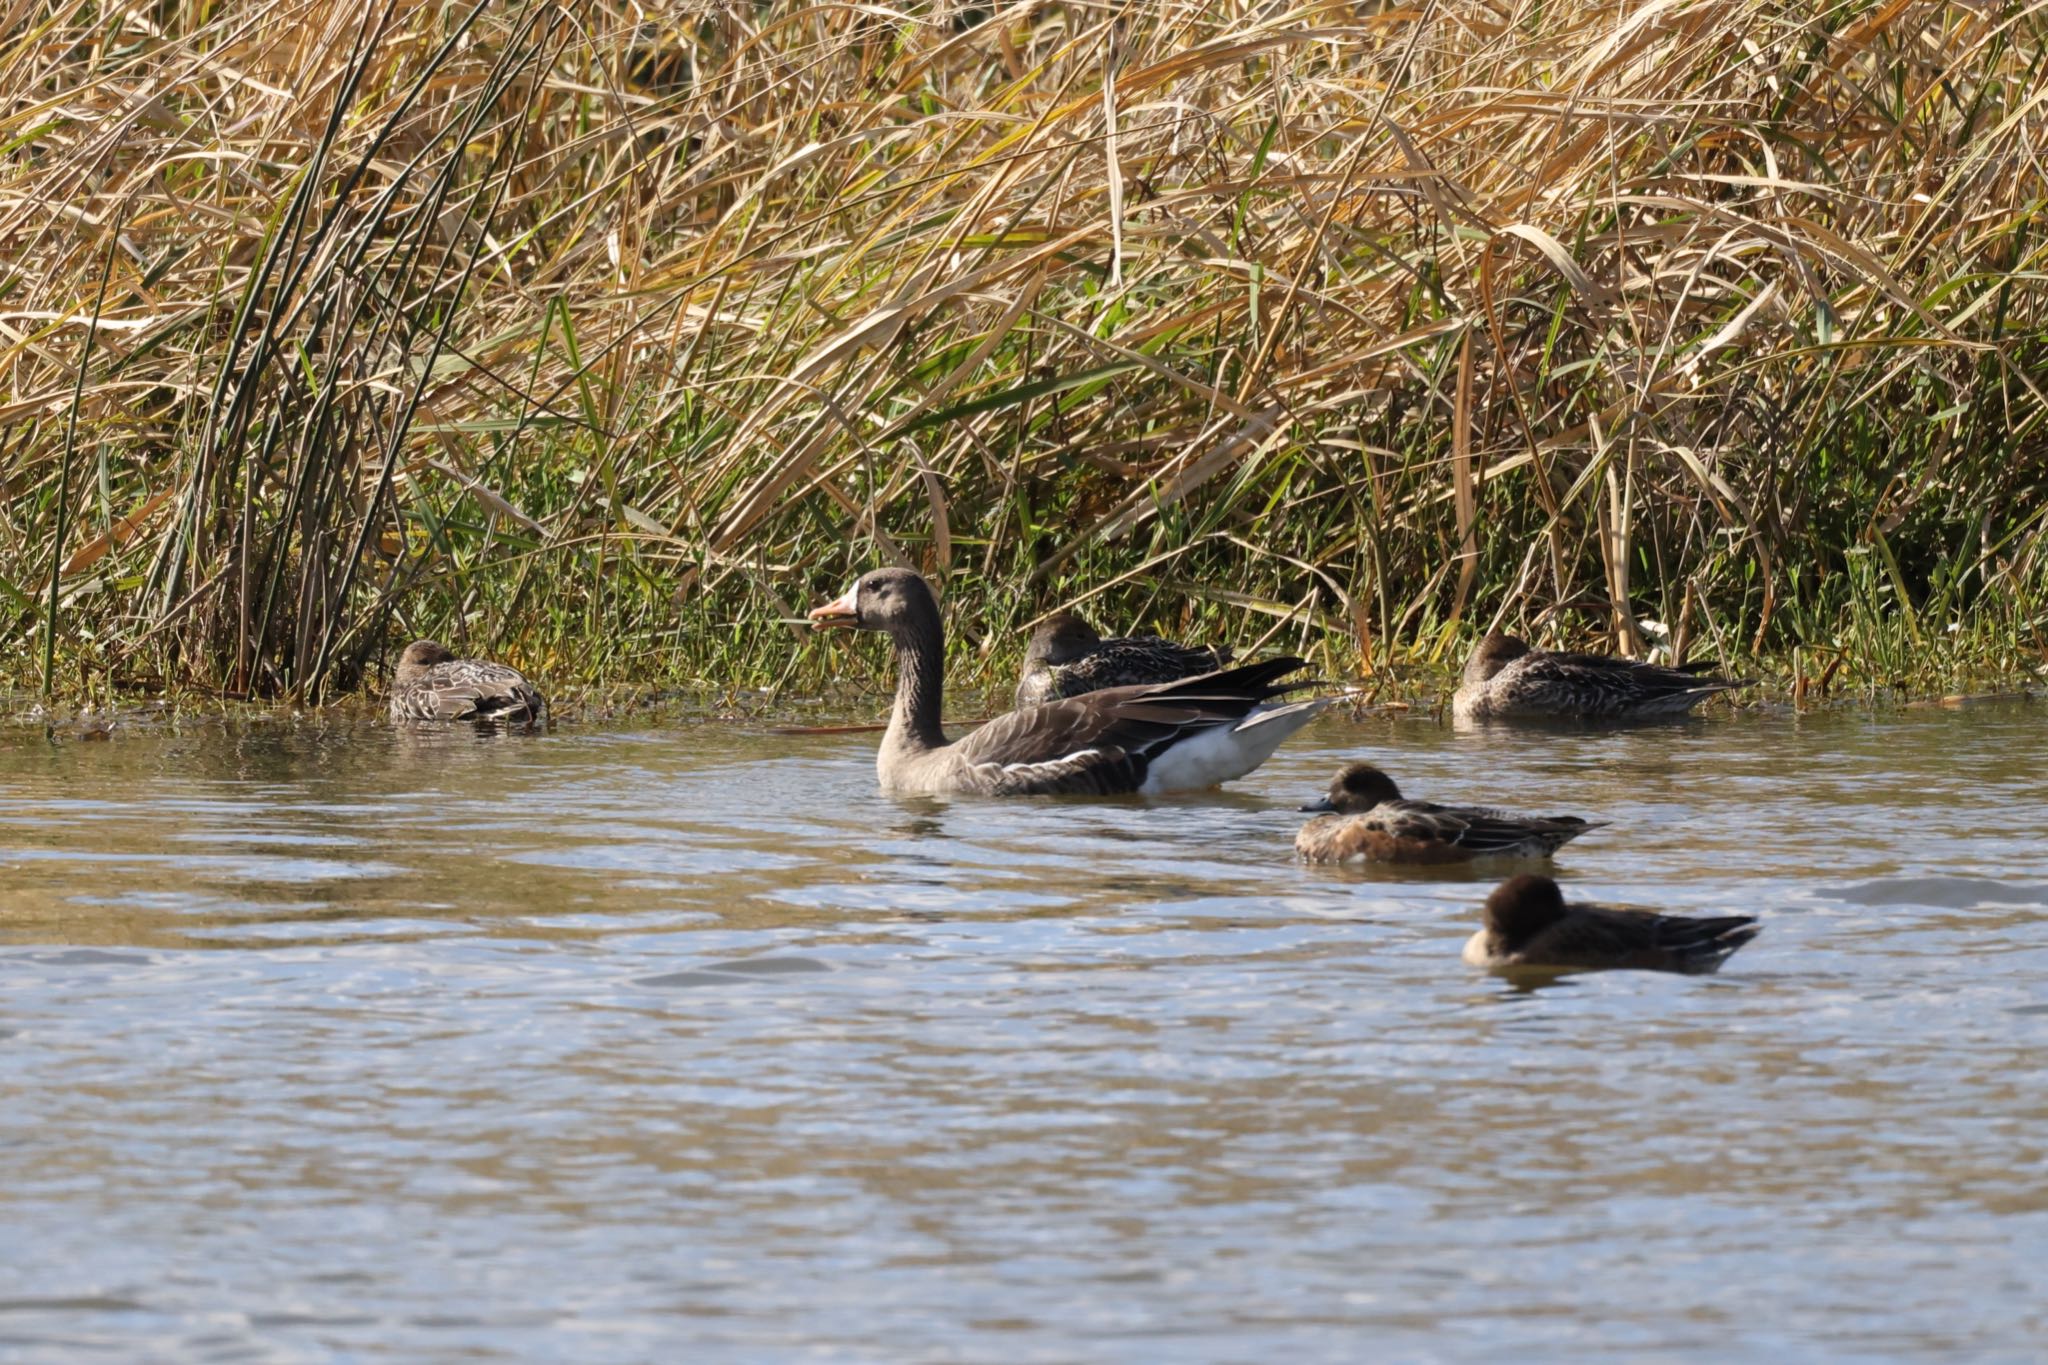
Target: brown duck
{"type": "Point", "coordinates": [431, 684]}
{"type": "Point", "coordinates": [1506, 680]}
{"type": "Point", "coordinates": [1529, 924]}
{"type": "Point", "coordinates": [1067, 657]}
{"type": "Point", "coordinates": [1162, 737]}
{"type": "Point", "coordinates": [1373, 823]}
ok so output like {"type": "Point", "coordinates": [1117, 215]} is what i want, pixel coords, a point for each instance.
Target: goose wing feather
{"type": "Point", "coordinates": [1104, 742]}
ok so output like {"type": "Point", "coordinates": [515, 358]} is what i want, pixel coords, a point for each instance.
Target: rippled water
{"type": "Point", "coordinates": [686, 1044]}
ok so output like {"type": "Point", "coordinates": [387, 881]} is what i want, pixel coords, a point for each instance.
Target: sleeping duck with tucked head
{"type": "Point", "coordinates": [1529, 924]}
{"type": "Point", "coordinates": [431, 684]}
{"type": "Point", "coordinates": [1370, 821]}
{"type": "Point", "coordinates": [1160, 737]}
{"type": "Point", "coordinates": [1506, 680]}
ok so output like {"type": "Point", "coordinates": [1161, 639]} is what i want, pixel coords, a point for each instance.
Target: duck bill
{"type": "Point", "coordinates": [840, 614]}
{"type": "Point", "coordinates": [1320, 803]}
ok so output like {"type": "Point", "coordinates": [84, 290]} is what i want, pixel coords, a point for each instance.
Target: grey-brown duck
{"type": "Point", "coordinates": [431, 684]}
{"type": "Point", "coordinates": [1506, 680]}
{"type": "Point", "coordinates": [1371, 822]}
{"type": "Point", "coordinates": [1067, 657]}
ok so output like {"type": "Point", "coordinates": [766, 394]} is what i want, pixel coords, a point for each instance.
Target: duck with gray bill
{"type": "Point", "coordinates": [1162, 737]}
{"type": "Point", "coordinates": [1370, 821]}
{"type": "Point", "coordinates": [1507, 680]}
{"type": "Point", "coordinates": [1067, 658]}
{"type": "Point", "coordinates": [1529, 924]}
{"type": "Point", "coordinates": [431, 684]}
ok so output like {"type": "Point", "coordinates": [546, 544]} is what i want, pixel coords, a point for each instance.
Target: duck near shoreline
{"type": "Point", "coordinates": [431, 685]}
{"type": "Point", "coordinates": [1068, 657]}
{"type": "Point", "coordinates": [1505, 679]}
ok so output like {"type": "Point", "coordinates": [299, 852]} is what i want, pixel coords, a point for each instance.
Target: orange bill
{"type": "Point", "coordinates": [842, 614]}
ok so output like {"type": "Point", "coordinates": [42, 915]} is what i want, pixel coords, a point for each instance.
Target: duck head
{"type": "Point", "coordinates": [1358, 788]}
{"type": "Point", "coordinates": [1061, 638]}
{"type": "Point", "coordinates": [420, 656]}
{"type": "Point", "coordinates": [1493, 653]}
{"type": "Point", "coordinates": [1522, 907]}
{"type": "Point", "coordinates": [893, 601]}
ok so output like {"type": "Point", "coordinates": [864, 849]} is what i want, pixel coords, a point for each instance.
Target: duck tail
{"type": "Point", "coordinates": [1704, 944]}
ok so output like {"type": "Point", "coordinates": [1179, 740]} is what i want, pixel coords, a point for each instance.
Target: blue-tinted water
{"type": "Point", "coordinates": [318, 1040]}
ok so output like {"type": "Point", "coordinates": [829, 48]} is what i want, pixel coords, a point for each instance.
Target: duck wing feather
{"type": "Point", "coordinates": [1599, 684]}
{"type": "Point", "coordinates": [1480, 831]}
{"type": "Point", "coordinates": [470, 689]}
{"type": "Point", "coordinates": [1608, 936]}
{"type": "Point", "coordinates": [1130, 661]}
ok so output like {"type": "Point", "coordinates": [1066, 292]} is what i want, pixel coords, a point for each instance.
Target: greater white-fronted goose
{"type": "Point", "coordinates": [1506, 680]}
{"type": "Point", "coordinates": [1528, 924]}
{"type": "Point", "coordinates": [1162, 737]}
{"type": "Point", "coordinates": [431, 684]}
{"type": "Point", "coordinates": [1372, 823]}
{"type": "Point", "coordinates": [1067, 658]}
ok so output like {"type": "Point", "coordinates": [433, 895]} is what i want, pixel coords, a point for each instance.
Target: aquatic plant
{"type": "Point", "coordinates": [603, 338]}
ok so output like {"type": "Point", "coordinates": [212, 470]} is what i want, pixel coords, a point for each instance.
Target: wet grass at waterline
{"type": "Point", "coordinates": [606, 346]}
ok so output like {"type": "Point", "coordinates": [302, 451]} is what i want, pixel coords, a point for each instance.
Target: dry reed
{"type": "Point", "coordinates": [597, 334]}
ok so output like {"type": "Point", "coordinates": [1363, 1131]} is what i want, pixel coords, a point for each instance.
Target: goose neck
{"type": "Point", "coordinates": [920, 688]}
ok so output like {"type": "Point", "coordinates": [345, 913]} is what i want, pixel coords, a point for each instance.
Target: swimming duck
{"type": "Point", "coordinates": [431, 684]}
{"type": "Point", "coordinates": [1506, 680]}
{"type": "Point", "coordinates": [1372, 823]}
{"type": "Point", "coordinates": [1528, 924]}
{"type": "Point", "coordinates": [1159, 737]}
{"type": "Point", "coordinates": [1067, 657]}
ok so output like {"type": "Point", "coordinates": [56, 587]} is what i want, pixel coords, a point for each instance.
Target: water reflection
{"type": "Point", "coordinates": [322, 1039]}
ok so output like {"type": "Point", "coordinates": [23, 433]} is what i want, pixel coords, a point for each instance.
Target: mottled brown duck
{"type": "Point", "coordinates": [430, 684]}
{"type": "Point", "coordinates": [1506, 680]}
{"type": "Point", "coordinates": [1371, 822]}
{"type": "Point", "coordinates": [1067, 657]}
{"type": "Point", "coordinates": [1529, 924]}
{"type": "Point", "coordinates": [1161, 737]}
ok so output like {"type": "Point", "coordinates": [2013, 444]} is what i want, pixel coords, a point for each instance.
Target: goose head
{"type": "Point", "coordinates": [894, 601]}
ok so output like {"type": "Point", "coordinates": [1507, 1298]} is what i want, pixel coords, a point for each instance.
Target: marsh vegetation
{"type": "Point", "coordinates": [604, 338]}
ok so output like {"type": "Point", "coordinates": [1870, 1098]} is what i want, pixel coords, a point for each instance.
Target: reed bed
{"type": "Point", "coordinates": [605, 337]}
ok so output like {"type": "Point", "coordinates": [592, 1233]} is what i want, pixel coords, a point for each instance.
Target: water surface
{"type": "Point", "coordinates": [683, 1043]}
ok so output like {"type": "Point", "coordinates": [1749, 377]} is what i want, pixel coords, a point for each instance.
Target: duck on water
{"type": "Point", "coordinates": [431, 684]}
{"type": "Point", "coordinates": [1370, 821]}
{"type": "Point", "coordinates": [1528, 924]}
{"type": "Point", "coordinates": [1155, 738]}
{"type": "Point", "coordinates": [1506, 680]}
